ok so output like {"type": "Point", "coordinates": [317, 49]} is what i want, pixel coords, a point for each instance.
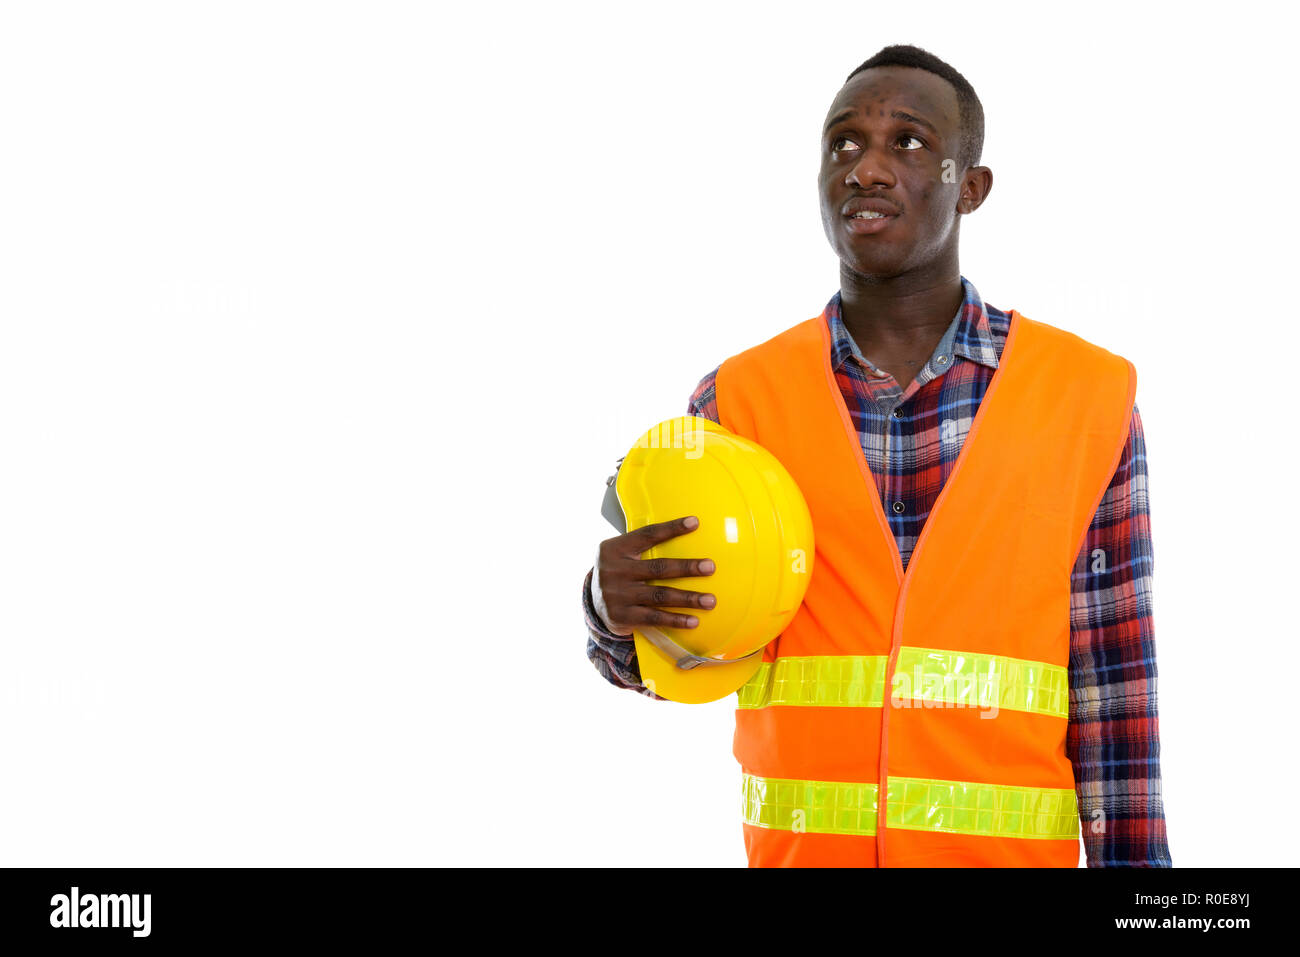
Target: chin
{"type": "Point", "coordinates": [868, 255]}
{"type": "Point", "coordinates": [874, 268]}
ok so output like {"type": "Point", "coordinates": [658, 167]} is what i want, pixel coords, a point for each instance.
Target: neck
{"type": "Point", "coordinates": [901, 314]}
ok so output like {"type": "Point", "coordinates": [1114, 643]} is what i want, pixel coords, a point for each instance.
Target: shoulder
{"type": "Point", "coordinates": [1065, 339]}
{"type": "Point", "coordinates": [769, 352]}
{"type": "Point", "coordinates": [809, 331]}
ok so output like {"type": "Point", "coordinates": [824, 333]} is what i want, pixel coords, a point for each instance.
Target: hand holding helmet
{"type": "Point", "coordinates": [753, 523]}
{"type": "Point", "coordinates": [627, 583]}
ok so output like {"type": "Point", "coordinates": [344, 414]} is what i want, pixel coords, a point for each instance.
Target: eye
{"type": "Point", "coordinates": [908, 136]}
{"type": "Point", "coordinates": [837, 140]}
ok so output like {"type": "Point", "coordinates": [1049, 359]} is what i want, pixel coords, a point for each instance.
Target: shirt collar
{"type": "Point", "coordinates": [969, 335]}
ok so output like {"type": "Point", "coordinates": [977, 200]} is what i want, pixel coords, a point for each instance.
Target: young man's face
{"type": "Point", "coordinates": [870, 151]}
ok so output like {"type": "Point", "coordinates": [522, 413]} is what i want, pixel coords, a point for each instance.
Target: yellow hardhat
{"type": "Point", "coordinates": [755, 526]}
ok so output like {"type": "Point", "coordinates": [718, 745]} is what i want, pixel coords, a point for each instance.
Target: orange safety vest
{"type": "Point", "coordinates": [919, 719]}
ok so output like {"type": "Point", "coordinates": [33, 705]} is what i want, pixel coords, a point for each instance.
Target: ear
{"type": "Point", "coordinates": [975, 187]}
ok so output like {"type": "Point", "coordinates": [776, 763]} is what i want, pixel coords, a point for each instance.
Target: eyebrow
{"type": "Point", "coordinates": [896, 114]}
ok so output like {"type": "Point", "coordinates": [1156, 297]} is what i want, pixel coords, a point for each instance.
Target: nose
{"type": "Point", "coordinates": [871, 170]}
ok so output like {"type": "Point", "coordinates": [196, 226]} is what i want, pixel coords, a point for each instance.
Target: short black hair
{"type": "Point", "coordinates": [971, 111]}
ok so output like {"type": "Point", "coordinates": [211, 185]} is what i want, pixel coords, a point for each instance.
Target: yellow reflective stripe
{"type": "Point", "coordinates": [933, 675]}
{"type": "Point", "coordinates": [918, 804]}
{"type": "Point", "coordinates": [982, 681]}
{"type": "Point", "coordinates": [812, 807]}
{"type": "Point", "coordinates": [986, 810]}
{"type": "Point", "coordinates": [828, 681]}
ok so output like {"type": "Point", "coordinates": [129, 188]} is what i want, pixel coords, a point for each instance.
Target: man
{"type": "Point", "coordinates": [1052, 472]}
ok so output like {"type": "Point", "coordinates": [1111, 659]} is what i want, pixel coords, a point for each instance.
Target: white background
{"type": "Point", "coordinates": [323, 324]}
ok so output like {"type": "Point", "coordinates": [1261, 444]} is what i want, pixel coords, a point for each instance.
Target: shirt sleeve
{"type": "Point", "coordinates": [614, 656]}
{"type": "Point", "coordinates": [1113, 736]}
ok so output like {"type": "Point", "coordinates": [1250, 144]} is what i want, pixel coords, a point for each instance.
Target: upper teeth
{"type": "Point", "coordinates": [868, 214]}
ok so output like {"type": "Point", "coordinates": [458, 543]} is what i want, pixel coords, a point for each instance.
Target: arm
{"type": "Point", "coordinates": [1113, 739]}
{"type": "Point", "coordinates": [613, 655]}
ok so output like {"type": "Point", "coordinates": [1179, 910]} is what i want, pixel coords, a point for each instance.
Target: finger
{"type": "Point", "coordinates": [644, 538]}
{"type": "Point", "coordinates": [649, 569]}
{"type": "Point", "coordinates": [662, 595]}
{"type": "Point", "coordinates": [641, 615]}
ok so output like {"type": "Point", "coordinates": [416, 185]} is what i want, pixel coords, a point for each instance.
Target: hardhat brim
{"type": "Point", "coordinates": [698, 685]}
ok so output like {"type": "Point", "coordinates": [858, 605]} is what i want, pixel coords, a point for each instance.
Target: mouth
{"type": "Point", "coordinates": [867, 222]}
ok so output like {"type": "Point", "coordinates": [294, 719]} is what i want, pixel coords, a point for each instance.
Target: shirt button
{"type": "Point", "coordinates": [898, 507]}
{"type": "Point", "coordinates": [943, 359]}
{"type": "Point", "coordinates": [897, 413]}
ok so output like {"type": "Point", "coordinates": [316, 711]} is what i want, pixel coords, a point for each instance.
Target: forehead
{"type": "Point", "coordinates": [884, 88]}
